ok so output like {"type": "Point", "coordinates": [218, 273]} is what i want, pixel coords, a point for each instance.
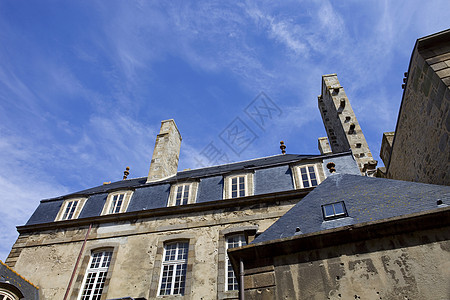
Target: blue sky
{"type": "Point", "coordinates": [85, 84]}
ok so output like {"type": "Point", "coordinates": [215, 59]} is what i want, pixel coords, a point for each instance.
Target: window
{"type": "Point", "coordinates": [183, 193]}
{"type": "Point", "coordinates": [70, 209]}
{"type": "Point", "coordinates": [334, 210]}
{"type": "Point", "coordinates": [238, 186]}
{"type": "Point", "coordinates": [231, 281]}
{"type": "Point", "coordinates": [117, 202]}
{"type": "Point", "coordinates": [306, 176]}
{"type": "Point", "coordinates": [95, 277]}
{"type": "Point", "coordinates": [174, 266]}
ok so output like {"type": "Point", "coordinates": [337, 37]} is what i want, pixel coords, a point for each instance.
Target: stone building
{"type": "Point", "coordinates": [420, 148]}
{"type": "Point", "coordinates": [165, 234]}
{"type": "Point", "coordinates": [354, 237]}
{"type": "Point", "coordinates": [280, 227]}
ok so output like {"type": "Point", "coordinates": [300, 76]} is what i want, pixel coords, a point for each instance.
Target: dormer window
{"type": "Point", "coordinates": [334, 210]}
{"type": "Point", "coordinates": [240, 185]}
{"type": "Point", "coordinates": [117, 202]}
{"type": "Point", "coordinates": [70, 209]}
{"type": "Point", "coordinates": [183, 193]}
{"type": "Point", "coordinates": [306, 176]}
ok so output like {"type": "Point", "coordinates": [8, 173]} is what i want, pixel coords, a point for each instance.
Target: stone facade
{"type": "Point", "coordinates": [421, 147]}
{"type": "Point", "coordinates": [55, 252]}
{"type": "Point", "coordinates": [47, 257]}
{"type": "Point", "coordinates": [342, 127]}
{"type": "Point", "coordinates": [386, 147]}
{"type": "Point", "coordinates": [392, 262]}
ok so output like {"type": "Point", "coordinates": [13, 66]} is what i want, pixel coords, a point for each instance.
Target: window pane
{"type": "Point", "coordinates": [303, 170]}
{"type": "Point", "coordinates": [338, 208]}
{"type": "Point", "coordinates": [328, 210]}
{"type": "Point", "coordinates": [72, 210]}
{"type": "Point", "coordinates": [119, 204]}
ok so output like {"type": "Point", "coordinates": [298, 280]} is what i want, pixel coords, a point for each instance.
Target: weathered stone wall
{"type": "Point", "coordinates": [421, 148]}
{"type": "Point", "coordinates": [340, 122]}
{"type": "Point", "coordinates": [386, 147]}
{"type": "Point", "coordinates": [48, 258]}
{"type": "Point", "coordinates": [409, 266]}
{"type": "Point", "coordinates": [166, 153]}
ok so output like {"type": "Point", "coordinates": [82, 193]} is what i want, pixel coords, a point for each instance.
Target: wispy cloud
{"type": "Point", "coordinates": [79, 103]}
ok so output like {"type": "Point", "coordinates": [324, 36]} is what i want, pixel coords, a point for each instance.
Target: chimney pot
{"type": "Point", "coordinates": [331, 167]}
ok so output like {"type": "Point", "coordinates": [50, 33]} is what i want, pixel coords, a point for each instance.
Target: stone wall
{"type": "Point", "coordinates": [386, 147]}
{"type": "Point", "coordinates": [407, 266]}
{"type": "Point", "coordinates": [48, 258]}
{"type": "Point", "coordinates": [421, 147]}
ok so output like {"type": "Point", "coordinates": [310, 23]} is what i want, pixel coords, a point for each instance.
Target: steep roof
{"type": "Point", "coordinates": [198, 173]}
{"type": "Point", "coordinates": [366, 199]}
{"type": "Point", "coordinates": [270, 175]}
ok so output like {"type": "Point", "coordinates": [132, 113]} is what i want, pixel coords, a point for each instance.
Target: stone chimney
{"type": "Point", "coordinates": [166, 153]}
{"type": "Point", "coordinates": [324, 146]}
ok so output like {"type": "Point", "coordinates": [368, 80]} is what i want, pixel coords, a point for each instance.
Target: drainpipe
{"type": "Point", "coordinates": [241, 279]}
{"type": "Point", "coordinates": [66, 295]}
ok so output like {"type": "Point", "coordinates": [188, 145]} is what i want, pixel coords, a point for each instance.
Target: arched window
{"type": "Point", "coordinates": [6, 295]}
{"type": "Point", "coordinates": [95, 277]}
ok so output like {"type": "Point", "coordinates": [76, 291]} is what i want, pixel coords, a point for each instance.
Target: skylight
{"type": "Point", "coordinates": [334, 210]}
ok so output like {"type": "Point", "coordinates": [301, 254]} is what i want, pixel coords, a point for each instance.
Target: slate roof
{"type": "Point", "coordinates": [196, 173]}
{"type": "Point", "coordinates": [271, 174]}
{"type": "Point", "coordinates": [203, 172]}
{"type": "Point", "coordinates": [10, 278]}
{"type": "Point", "coordinates": [366, 199]}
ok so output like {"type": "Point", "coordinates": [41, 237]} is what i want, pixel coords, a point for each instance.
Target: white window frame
{"type": "Point", "coordinates": [67, 207]}
{"type": "Point", "coordinates": [108, 207]}
{"type": "Point", "coordinates": [228, 267]}
{"type": "Point", "coordinates": [174, 264]}
{"type": "Point", "coordinates": [99, 272]}
{"type": "Point", "coordinates": [248, 185]}
{"type": "Point", "coordinates": [192, 195]}
{"type": "Point", "coordinates": [298, 176]}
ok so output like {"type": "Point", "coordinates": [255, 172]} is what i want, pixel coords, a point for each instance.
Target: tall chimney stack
{"type": "Point", "coordinates": [166, 153]}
